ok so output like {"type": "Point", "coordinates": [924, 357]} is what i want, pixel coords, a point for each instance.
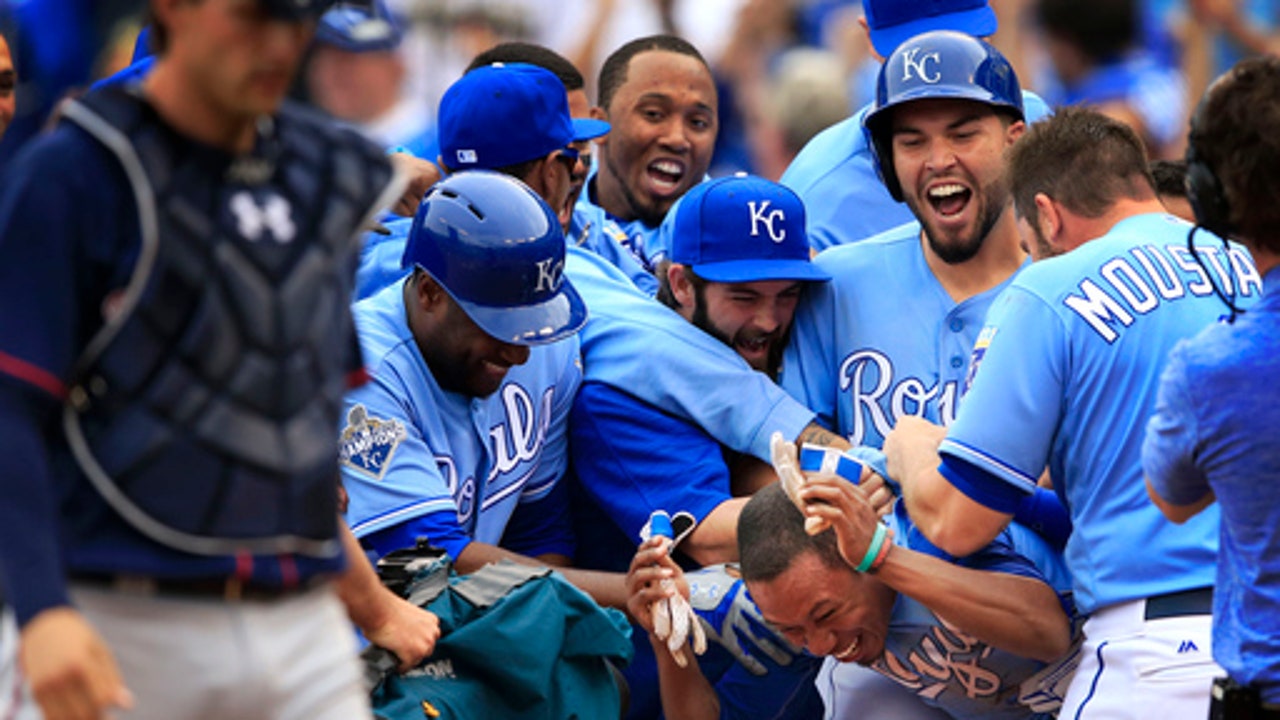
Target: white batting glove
{"type": "Point", "coordinates": [674, 621]}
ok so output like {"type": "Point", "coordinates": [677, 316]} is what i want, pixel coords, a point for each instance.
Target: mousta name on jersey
{"type": "Point", "coordinates": [1133, 284]}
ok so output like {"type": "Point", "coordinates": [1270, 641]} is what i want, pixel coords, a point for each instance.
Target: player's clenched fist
{"type": "Point", "coordinates": [860, 535]}
{"type": "Point", "coordinates": [657, 597]}
{"type": "Point", "coordinates": [72, 673]}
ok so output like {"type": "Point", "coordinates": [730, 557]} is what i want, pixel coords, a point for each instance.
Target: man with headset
{"type": "Point", "coordinates": [1209, 443]}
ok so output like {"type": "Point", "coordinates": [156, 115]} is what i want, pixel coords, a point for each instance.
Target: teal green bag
{"type": "Point", "coordinates": [516, 642]}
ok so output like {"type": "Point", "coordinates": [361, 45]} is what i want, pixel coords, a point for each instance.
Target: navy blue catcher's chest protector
{"type": "Point", "coordinates": [206, 407]}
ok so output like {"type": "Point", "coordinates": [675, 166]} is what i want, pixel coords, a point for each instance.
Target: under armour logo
{"type": "Point", "coordinates": [549, 274]}
{"type": "Point", "coordinates": [1187, 646]}
{"type": "Point", "coordinates": [915, 63]}
{"type": "Point", "coordinates": [275, 216]}
{"type": "Point", "coordinates": [763, 216]}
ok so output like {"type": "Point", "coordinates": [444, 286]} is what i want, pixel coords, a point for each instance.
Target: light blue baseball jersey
{"type": "Point", "coordinates": [835, 175]}
{"type": "Point", "coordinates": [643, 348]}
{"type": "Point", "coordinates": [882, 340]}
{"type": "Point", "coordinates": [953, 670]}
{"type": "Point", "coordinates": [668, 363]}
{"type": "Point", "coordinates": [380, 258]}
{"type": "Point", "coordinates": [623, 243]}
{"type": "Point", "coordinates": [1067, 372]}
{"type": "Point", "coordinates": [409, 448]}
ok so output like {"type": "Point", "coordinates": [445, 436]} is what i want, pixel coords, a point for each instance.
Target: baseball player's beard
{"type": "Point", "coordinates": [777, 341]}
{"type": "Point", "coordinates": [993, 200]}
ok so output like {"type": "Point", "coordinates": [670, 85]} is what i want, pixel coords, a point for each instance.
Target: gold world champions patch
{"type": "Point", "coordinates": [368, 443]}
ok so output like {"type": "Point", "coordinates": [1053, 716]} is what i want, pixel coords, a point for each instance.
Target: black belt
{"type": "Point", "coordinates": [229, 589]}
{"type": "Point", "coordinates": [1198, 601]}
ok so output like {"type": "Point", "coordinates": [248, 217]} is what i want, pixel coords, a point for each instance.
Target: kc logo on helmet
{"type": "Point", "coordinates": [915, 63]}
{"type": "Point", "coordinates": [764, 216]}
{"type": "Point", "coordinates": [550, 273]}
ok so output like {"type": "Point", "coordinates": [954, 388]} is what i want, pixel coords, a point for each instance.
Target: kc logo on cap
{"type": "Point", "coordinates": [762, 215]}
{"type": "Point", "coordinates": [742, 229]}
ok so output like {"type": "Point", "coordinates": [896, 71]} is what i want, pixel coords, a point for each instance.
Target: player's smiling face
{"type": "Point", "coordinates": [829, 611]}
{"type": "Point", "coordinates": [752, 318]}
{"type": "Point", "coordinates": [949, 158]}
{"type": "Point", "coordinates": [663, 119]}
{"type": "Point", "coordinates": [462, 357]}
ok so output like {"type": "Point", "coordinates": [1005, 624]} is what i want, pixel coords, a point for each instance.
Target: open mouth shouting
{"type": "Point", "coordinates": [665, 176]}
{"type": "Point", "coordinates": [949, 199]}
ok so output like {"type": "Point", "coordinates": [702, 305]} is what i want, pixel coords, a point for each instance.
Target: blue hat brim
{"type": "Point", "coordinates": [546, 322]}
{"type": "Point", "coordinates": [979, 22]}
{"type": "Point", "coordinates": [760, 270]}
{"type": "Point", "coordinates": [589, 129]}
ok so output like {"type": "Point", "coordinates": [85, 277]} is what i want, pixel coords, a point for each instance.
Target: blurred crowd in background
{"type": "Point", "coordinates": [786, 69]}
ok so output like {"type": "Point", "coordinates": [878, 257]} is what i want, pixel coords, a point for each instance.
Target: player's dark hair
{"type": "Point", "coordinates": [614, 71]}
{"type": "Point", "coordinates": [666, 296]}
{"type": "Point", "coordinates": [1080, 158]}
{"type": "Point", "coordinates": [531, 54]}
{"type": "Point", "coordinates": [1236, 137]}
{"type": "Point", "coordinates": [771, 536]}
{"type": "Point", "coordinates": [1170, 177]}
{"type": "Point", "coordinates": [1101, 29]}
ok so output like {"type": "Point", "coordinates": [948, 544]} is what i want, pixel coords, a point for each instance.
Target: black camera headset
{"type": "Point", "coordinates": [1209, 203]}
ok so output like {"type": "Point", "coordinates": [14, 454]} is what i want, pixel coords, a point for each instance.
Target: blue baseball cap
{"type": "Point", "coordinates": [359, 27]}
{"type": "Point", "coordinates": [503, 114]}
{"type": "Point", "coordinates": [893, 22]}
{"type": "Point", "coordinates": [743, 228]}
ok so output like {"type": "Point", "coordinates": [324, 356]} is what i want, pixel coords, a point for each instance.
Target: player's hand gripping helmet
{"type": "Point", "coordinates": [937, 64]}
{"type": "Point", "coordinates": [498, 250]}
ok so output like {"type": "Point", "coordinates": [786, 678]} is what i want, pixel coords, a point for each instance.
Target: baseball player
{"type": "Point", "coordinates": [1066, 375]}
{"type": "Point", "coordinates": [356, 71]}
{"type": "Point", "coordinates": [891, 334]}
{"type": "Point", "coordinates": [835, 173]}
{"type": "Point", "coordinates": [460, 435]}
{"type": "Point", "coordinates": [174, 343]}
{"type": "Point", "coordinates": [1209, 442]}
{"type": "Point", "coordinates": [658, 95]}
{"type": "Point", "coordinates": [970, 637]}
{"type": "Point", "coordinates": [739, 265]}
{"type": "Point", "coordinates": [579, 108]}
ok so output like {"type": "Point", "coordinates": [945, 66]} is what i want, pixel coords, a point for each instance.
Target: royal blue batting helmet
{"type": "Point", "coordinates": [498, 250]}
{"type": "Point", "coordinates": [938, 64]}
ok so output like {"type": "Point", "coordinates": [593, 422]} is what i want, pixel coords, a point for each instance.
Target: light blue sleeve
{"type": "Point", "coordinates": [554, 457]}
{"type": "Point", "coordinates": [637, 345]}
{"type": "Point", "coordinates": [380, 258]}
{"type": "Point", "coordinates": [389, 472]}
{"type": "Point", "coordinates": [1006, 423]}
{"type": "Point", "coordinates": [809, 361]}
{"type": "Point", "coordinates": [1172, 440]}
